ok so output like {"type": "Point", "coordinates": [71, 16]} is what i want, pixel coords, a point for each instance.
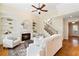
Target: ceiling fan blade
{"type": "Point", "coordinates": [34, 10]}
{"type": "Point", "coordinates": [34, 6]}
{"type": "Point", "coordinates": [43, 6]}
{"type": "Point", "coordinates": [44, 10]}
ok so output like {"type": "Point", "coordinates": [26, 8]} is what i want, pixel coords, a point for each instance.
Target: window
{"type": "Point", "coordinates": [75, 27]}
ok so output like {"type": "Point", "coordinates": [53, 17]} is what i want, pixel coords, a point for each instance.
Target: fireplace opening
{"type": "Point", "coordinates": [26, 36]}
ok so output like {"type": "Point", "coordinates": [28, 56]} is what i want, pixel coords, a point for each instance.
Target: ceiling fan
{"type": "Point", "coordinates": [39, 8]}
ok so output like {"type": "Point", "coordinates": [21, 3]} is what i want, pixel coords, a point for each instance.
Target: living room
{"type": "Point", "coordinates": [45, 30]}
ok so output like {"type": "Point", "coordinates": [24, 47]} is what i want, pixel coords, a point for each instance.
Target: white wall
{"type": "Point", "coordinates": [0, 25]}
{"type": "Point", "coordinates": [0, 31]}
{"type": "Point", "coordinates": [57, 24]}
{"type": "Point", "coordinates": [19, 14]}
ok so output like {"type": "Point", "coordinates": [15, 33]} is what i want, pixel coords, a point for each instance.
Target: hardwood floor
{"type": "Point", "coordinates": [70, 47]}
{"type": "Point", "coordinates": [3, 51]}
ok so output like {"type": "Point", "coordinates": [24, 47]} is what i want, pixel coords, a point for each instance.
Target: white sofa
{"type": "Point", "coordinates": [10, 42]}
{"type": "Point", "coordinates": [45, 46]}
{"type": "Point", "coordinates": [52, 45]}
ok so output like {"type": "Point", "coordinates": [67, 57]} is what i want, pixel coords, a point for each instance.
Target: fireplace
{"type": "Point", "coordinates": [26, 36]}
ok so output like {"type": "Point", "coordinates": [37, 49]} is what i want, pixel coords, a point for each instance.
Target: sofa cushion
{"type": "Point", "coordinates": [11, 38]}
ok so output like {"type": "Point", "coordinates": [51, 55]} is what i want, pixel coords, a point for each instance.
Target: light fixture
{"type": "Point", "coordinates": [38, 11]}
{"type": "Point", "coordinates": [73, 22]}
{"type": "Point", "coordinates": [70, 16]}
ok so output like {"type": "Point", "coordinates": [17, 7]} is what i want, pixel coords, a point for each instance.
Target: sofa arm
{"type": "Point", "coordinates": [53, 44]}
{"type": "Point", "coordinates": [7, 43]}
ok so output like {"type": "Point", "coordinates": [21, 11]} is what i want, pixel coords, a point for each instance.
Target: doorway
{"type": "Point", "coordinates": [73, 29]}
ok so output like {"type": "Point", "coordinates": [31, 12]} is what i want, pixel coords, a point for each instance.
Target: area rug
{"type": "Point", "coordinates": [20, 50]}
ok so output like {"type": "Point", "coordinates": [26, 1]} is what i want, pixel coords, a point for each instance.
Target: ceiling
{"type": "Point", "coordinates": [57, 9]}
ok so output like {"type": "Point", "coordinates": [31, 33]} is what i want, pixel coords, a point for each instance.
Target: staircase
{"type": "Point", "coordinates": [48, 27]}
